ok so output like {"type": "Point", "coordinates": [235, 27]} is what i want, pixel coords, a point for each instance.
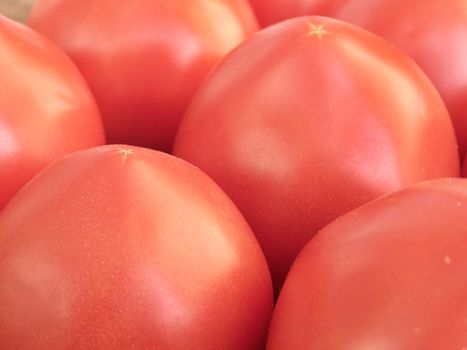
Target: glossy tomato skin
{"type": "Point", "coordinates": [310, 119]}
{"type": "Point", "coordinates": [46, 108]}
{"type": "Point", "coordinates": [389, 275]}
{"type": "Point", "coordinates": [128, 248]}
{"type": "Point", "coordinates": [433, 33]}
{"type": "Point", "coordinates": [144, 59]}
{"type": "Point", "coordinates": [273, 11]}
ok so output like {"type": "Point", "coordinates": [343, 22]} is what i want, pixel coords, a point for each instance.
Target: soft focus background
{"type": "Point", "coordinates": [16, 9]}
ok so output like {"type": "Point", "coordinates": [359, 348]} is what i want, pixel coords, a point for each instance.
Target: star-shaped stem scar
{"type": "Point", "coordinates": [316, 30]}
{"type": "Point", "coordinates": [125, 152]}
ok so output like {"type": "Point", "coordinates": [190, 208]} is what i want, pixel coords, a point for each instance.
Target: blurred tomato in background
{"type": "Point", "coordinates": [144, 59]}
{"type": "Point", "coordinates": [273, 11]}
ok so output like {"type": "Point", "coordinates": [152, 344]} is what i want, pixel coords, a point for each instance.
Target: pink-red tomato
{"type": "Point", "coordinates": [433, 33]}
{"type": "Point", "coordinates": [128, 248]}
{"type": "Point", "coordinates": [143, 59]}
{"type": "Point", "coordinates": [389, 275]}
{"type": "Point", "coordinates": [272, 11]}
{"type": "Point", "coordinates": [309, 119]}
{"type": "Point", "coordinates": [46, 108]}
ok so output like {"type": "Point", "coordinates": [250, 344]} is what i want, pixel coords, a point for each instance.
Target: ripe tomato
{"type": "Point", "coordinates": [309, 119]}
{"type": "Point", "coordinates": [119, 248]}
{"type": "Point", "coordinates": [433, 33]}
{"type": "Point", "coordinates": [389, 275]}
{"type": "Point", "coordinates": [46, 109]}
{"type": "Point", "coordinates": [272, 11]}
{"type": "Point", "coordinates": [144, 59]}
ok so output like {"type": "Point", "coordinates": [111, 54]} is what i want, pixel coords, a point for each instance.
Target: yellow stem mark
{"type": "Point", "coordinates": [125, 152]}
{"type": "Point", "coordinates": [317, 30]}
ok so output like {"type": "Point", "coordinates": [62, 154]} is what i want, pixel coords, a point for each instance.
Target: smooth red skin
{"type": "Point", "coordinates": [433, 33]}
{"type": "Point", "coordinates": [46, 108]}
{"type": "Point", "coordinates": [107, 250]}
{"type": "Point", "coordinates": [389, 275]}
{"type": "Point", "coordinates": [299, 129]}
{"type": "Point", "coordinates": [144, 59]}
{"type": "Point", "coordinates": [272, 11]}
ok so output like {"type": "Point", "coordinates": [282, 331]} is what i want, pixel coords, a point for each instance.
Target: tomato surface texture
{"type": "Point", "coordinates": [128, 248]}
{"type": "Point", "coordinates": [311, 118]}
{"type": "Point", "coordinates": [144, 59]}
{"type": "Point", "coordinates": [388, 275]}
{"type": "Point", "coordinates": [46, 108]}
{"type": "Point", "coordinates": [433, 33]}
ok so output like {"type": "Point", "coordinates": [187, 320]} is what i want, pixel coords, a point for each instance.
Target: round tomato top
{"type": "Point", "coordinates": [128, 248]}
{"type": "Point", "coordinates": [309, 119]}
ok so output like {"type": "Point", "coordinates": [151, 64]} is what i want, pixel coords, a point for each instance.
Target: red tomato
{"type": "Point", "coordinates": [46, 109]}
{"type": "Point", "coordinates": [309, 119]}
{"type": "Point", "coordinates": [272, 11]}
{"type": "Point", "coordinates": [120, 248]}
{"type": "Point", "coordinates": [389, 275]}
{"type": "Point", "coordinates": [434, 34]}
{"type": "Point", "coordinates": [143, 59]}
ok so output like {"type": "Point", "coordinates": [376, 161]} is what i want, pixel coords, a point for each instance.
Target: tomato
{"type": "Point", "coordinates": [128, 248]}
{"type": "Point", "coordinates": [310, 119]}
{"type": "Point", "coordinates": [272, 11]}
{"type": "Point", "coordinates": [389, 275]}
{"type": "Point", "coordinates": [46, 108]}
{"type": "Point", "coordinates": [433, 33]}
{"type": "Point", "coordinates": [144, 59]}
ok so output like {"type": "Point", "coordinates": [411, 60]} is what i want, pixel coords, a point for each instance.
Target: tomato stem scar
{"type": "Point", "coordinates": [125, 152]}
{"type": "Point", "coordinates": [316, 30]}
